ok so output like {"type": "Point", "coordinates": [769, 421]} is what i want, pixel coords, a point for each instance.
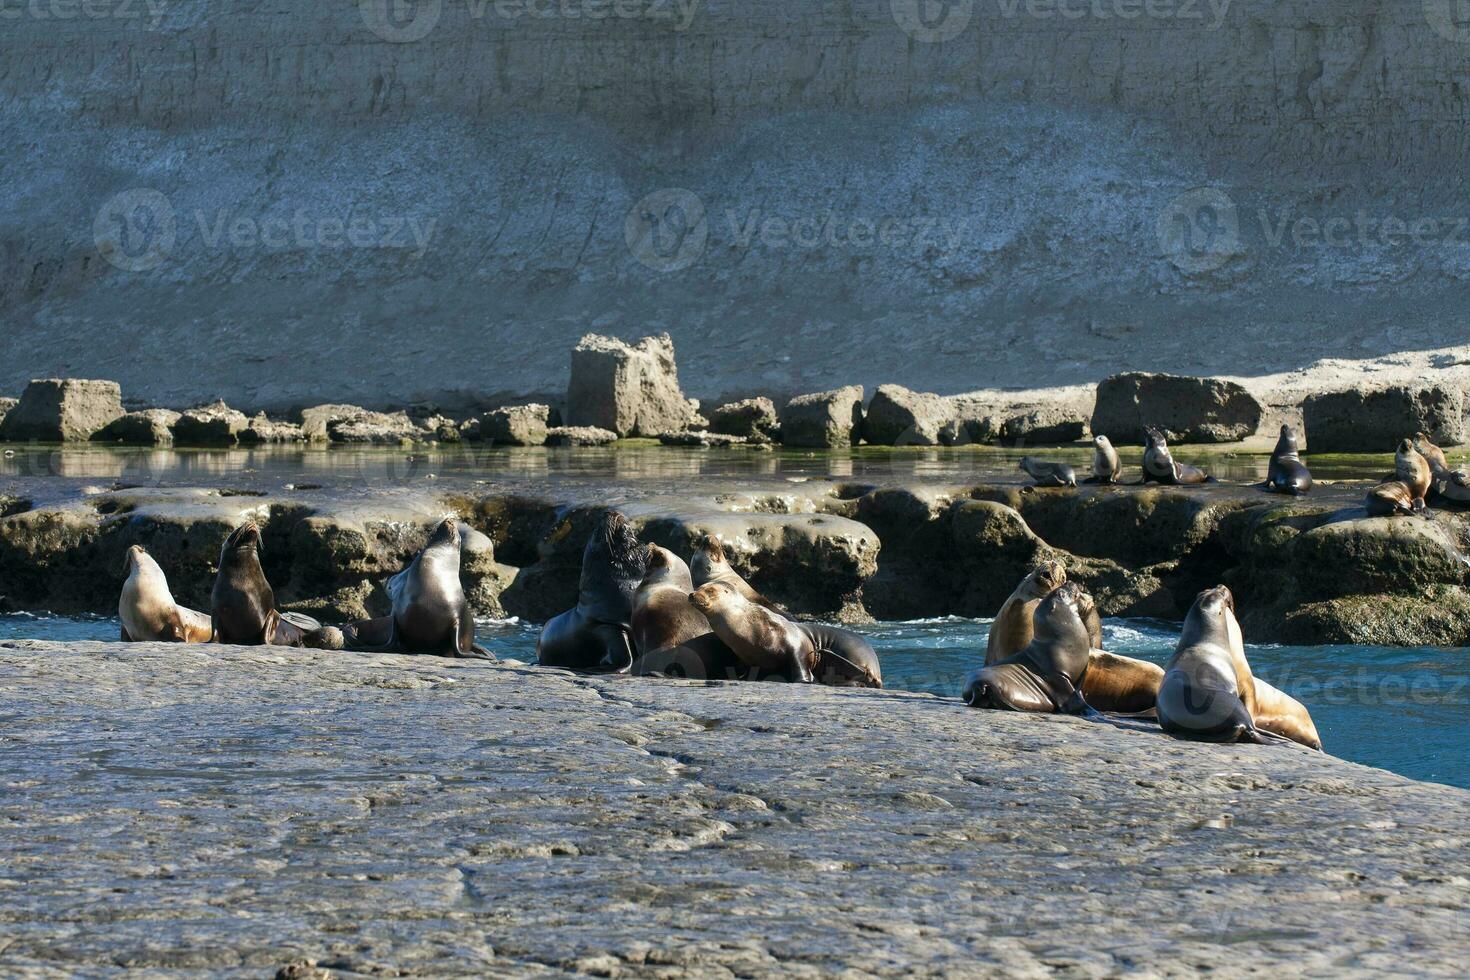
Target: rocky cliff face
{"type": "Point", "coordinates": [281, 203]}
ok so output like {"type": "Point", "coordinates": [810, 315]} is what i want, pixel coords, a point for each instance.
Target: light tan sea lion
{"type": "Point", "coordinates": [1209, 694]}
{"type": "Point", "coordinates": [710, 563]}
{"type": "Point", "coordinates": [670, 636]}
{"type": "Point", "coordinates": [1390, 499]}
{"type": "Point", "coordinates": [1432, 454]}
{"type": "Point", "coordinates": [147, 608]}
{"type": "Point", "coordinates": [1119, 684]}
{"type": "Point", "coordinates": [1411, 468]}
{"type": "Point", "coordinates": [761, 638]}
{"type": "Point", "coordinates": [1105, 465]}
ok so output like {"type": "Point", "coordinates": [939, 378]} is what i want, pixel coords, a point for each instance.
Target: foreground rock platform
{"type": "Point", "coordinates": [243, 811]}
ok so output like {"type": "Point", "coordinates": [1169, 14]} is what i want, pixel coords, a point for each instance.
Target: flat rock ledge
{"type": "Point", "coordinates": [247, 811]}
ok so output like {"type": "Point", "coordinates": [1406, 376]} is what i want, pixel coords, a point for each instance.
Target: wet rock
{"type": "Point", "coordinates": [900, 417]}
{"type": "Point", "coordinates": [6, 404]}
{"type": "Point", "coordinates": [438, 428]}
{"type": "Point", "coordinates": [916, 577]}
{"type": "Point", "coordinates": [1372, 419]}
{"type": "Point", "coordinates": [995, 550]}
{"type": "Point", "coordinates": [518, 425]}
{"type": "Point", "coordinates": [632, 390]}
{"type": "Point", "coordinates": [1187, 409]}
{"type": "Point", "coordinates": [62, 410]}
{"type": "Point", "coordinates": [750, 418]}
{"type": "Point", "coordinates": [376, 429]}
{"type": "Point", "coordinates": [211, 425]}
{"type": "Point", "coordinates": [824, 419]}
{"type": "Point", "coordinates": [1439, 617]}
{"type": "Point", "coordinates": [150, 427]}
{"type": "Point", "coordinates": [315, 421]}
{"type": "Point", "coordinates": [266, 431]}
{"type": "Point", "coordinates": [579, 435]}
{"type": "Point", "coordinates": [700, 439]}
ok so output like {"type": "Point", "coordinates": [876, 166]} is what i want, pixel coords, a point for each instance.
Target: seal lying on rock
{"type": "Point", "coordinates": [671, 637]}
{"type": "Point", "coordinates": [1105, 465]}
{"type": "Point", "coordinates": [764, 640]}
{"type": "Point", "coordinates": [1159, 465]}
{"type": "Point", "coordinates": [431, 614]}
{"type": "Point", "coordinates": [710, 563]}
{"type": "Point", "coordinates": [1286, 472]}
{"type": "Point", "coordinates": [1048, 474]}
{"type": "Point", "coordinates": [596, 636]}
{"type": "Point", "coordinates": [147, 608]}
{"type": "Point", "coordinates": [1391, 499]}
{"type": "Point", "coordinates": [1209, 694]}
{"type": "Point", "coordinates": [1047, 674]}
{"type": "Point", "coordinates": [243, 605]}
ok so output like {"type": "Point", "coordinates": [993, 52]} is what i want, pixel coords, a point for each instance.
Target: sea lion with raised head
{"type": "Point", "coordinates": [1209, 694]}
{"type": "Point", "coordinates": [147, 608]}
{"type": "Point", "coordinates": [596, 636]}
{"type": "Point", "coordinates": [1047, 675]}
{"type": "Point", "coordinates": [764, 640]}
{"type": "Point", "coordinates": [1106, 468]}
{"type": "Point", "coordinates": [1286, 472]}
{"type": "Point", "coordinates": [711, 563]}
{"type": "Point", "coordinates": [1159, 465]}
{"type": "Point", "coordinates": [243, 605]}
{"type": "Point", "coordinates": [1411, 468]}
{"type": "Point", "coordinates": [431, 614]}
{"type": "Point", "coordinates": [671, 638]}
{"type": "Point", "coordinates": [1433, 455]}
{"type": "Point", "coordinates": [1048, 474]}
{"type": "Point", "coordinates": [1012, 628]}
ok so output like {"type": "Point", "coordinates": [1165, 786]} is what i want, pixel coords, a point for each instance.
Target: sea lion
{"type": "Point", "coordinates": [596, 636]}
{"type": "Point", "coordinates": [1049, 474]}
{"type": "Point", "coordinates": [243, 605]}
{"type": "Point", "coordinates": [1286, 472]}
{"type": "Point", "coordinates": [1411, 468]}
{"type": "Point", "coordinates": [1106, 467]}
{"type": "Point", "coordinates": [1391, 498]}
{"type": "Point", "coordinates": [1012, 628]}
{"type": "Point", "coordinates": [1046, 675]}
{"type": "Point", "coordinates": [1454, 487]}
{"type": "Point", "coordinates": [1209, 694]}
{"type": "Point", "coordinates": [1432, 454]}
{"type": "Point", "coordinates": [431, 614]}
{"type": "Point", "coordinates": [764, 640]}
{"type": "Point", "coordinates": [147, 608]}
{"type": "Point", "coordinates": [670, 636]}
{"type": "Point", "coordinates": [844, 659]}
{"type": "Point", "coordinates": [1159, 465]}
{"type": "Point", "coordinates": [710, 563]}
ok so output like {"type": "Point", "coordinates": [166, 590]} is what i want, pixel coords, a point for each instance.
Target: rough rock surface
{"type": "Point", "coordinates": [1373, 418]}
{"type": "Point", "coordinates": [62, 410]}
{"type": "Point", "coordinates": [1187, 409]}
{"type": "Point", "coordinates": [749, 417]}
{"type": "Point", "coordinates": [262, 431]}
{"type": "Point", "coordinates": [376, 429]}
{"type": "Point", "coordinates": [579, 435]}
{"type": "Point", "coordinates": [1050, 424]}
{"type": "Point", "coordinates": [150, 427]}
{"type": "Point", "coordinates": [6, 404]}
{"type": "Point", "coordinates": [824, 419]}
{"type": "Point", "coordinates": [316, 420]}
{"type": "Point", "coordinates": [632, 390]}
{"type": "Point", "coordinates": [899, 417]}
{"type": "Point", "coordinates": [212, 425]}
{"type": "Point", "coordinates": [700, 439]}
{"type": "Point", "coordinates": [413, 815]}
{"type": "Point", "coordinates": [517, 425]}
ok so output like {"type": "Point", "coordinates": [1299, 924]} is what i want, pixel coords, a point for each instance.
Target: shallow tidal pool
{"type": "Point", "coordinates": [1402, 709]}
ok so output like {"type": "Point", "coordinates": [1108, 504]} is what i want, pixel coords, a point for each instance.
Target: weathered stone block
{"type": "Point", "coordinates": [630, 390]}
{"type": "Point", "coordinates": [62, 410]}
{"type": "Point", "coordinates": [824, 419]}
{"type": "Point", "coordinates": [1187, 409]}
{"type": "Point", "coordinates": [1369, 419]}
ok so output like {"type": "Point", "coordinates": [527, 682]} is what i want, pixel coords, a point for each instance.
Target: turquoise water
{"type": "Point", "coordinates": [1406, 710]}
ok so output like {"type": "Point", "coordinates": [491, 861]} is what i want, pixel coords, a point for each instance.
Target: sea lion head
{"type": "Point", "coordinates": [244, 540]}
{"type": "Point", "coordinates": [1061, 615]}
{"type": "Point", "coordinates": [709, 559]}
{"type": "Point", "coordinates": [1102, 442]}
{"type": "Point", "coordinates": [712, 596]}
{"type": "Point", "coordinates": [1154, 437]}
{"type": "Point", "coordinates": [1406, 446]}
{"type": "Point", "coordinates": [1215, 602]}
{"type": "Point", "coordinates": [134, 559]}
{"type": "Point", "coordinates": [1045, 579]}
{"type": "Point", "coordinates": [445, 534]}
{"type": "Point", "coordinates": [665, 566]}
{"type": "Point", "coordinates": [1288, 441]}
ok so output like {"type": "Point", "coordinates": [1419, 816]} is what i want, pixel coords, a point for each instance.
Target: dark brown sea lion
{"type": "Point", "coordinates": [844, 659]}
{"type": "Point", "coordinates": [243, 605]}
{"type": "Point", "coordinates": [1286, 472]}
{"type": "Point", "coordinates": [1390, 499]}
{"type": "Point", "coordinates": [147, 608]}
{"type": "Point", "coordinates": [1209, 694]}
{"type": "Point", "coordinates": [1049, 474]}
{"type": "Point", "coordinates": [1012, 628]}
{"type": "Point", "coordinates": [1159, 465]}
{"type": "Point", "coordinates": [670, 637]}
{"type": "Point", "coordinates": [1046, 676]}
{"type": "Point", "coordinates": [1106, 467]}
{"type": "Point", "coordinates": [596, 636]}
{"type": "Point", "coordinates": [431, 614]}
{"type": "Point", "coordinates": [763, 639]}
{"type": "Point", "coordinates": [710, 563]}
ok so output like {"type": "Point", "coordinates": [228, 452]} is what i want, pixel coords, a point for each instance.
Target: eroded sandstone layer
{"type": "Point", "coordinates": [242, 810]}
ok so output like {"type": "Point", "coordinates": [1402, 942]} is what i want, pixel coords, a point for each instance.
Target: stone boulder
{"type": "Point", "coordinates": [6, 404]}
{"type": "Point", "coordinates": [579, 435]}
{"type": "Point", "coordinates": [517, 425]}
{"type": "Point", "coordinates": [1372, 419]}
{"type": "Point", "coordinates": [1048, 424]}
{"type": "Point", "coordinates": [316, 421]}
{"type": "Point", "coordinates": [151, 427]}
{"type": "Point", "coordinates": [211, 425]}
{"type": "Point", "coordinates": [629, 390]}
{"type": "Point", "coordinates": [824, 419]}
{"type": "Point", "coordinates": [62, 410]}
{"type": "Point", "coordinates": [900, 417]}
{"type": "Point", "coordinates": [1187, 409]}
{"type": "Point", "coordinates": [751, 418]}
{"type": "Point", "coordinates": [376, 429]}
{"type": "Point", "coordinates": [262, 431]}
